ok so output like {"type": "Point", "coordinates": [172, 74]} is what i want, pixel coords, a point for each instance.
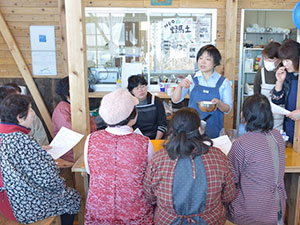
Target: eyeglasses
{"type": "Point", "coordinates": [140, 87]}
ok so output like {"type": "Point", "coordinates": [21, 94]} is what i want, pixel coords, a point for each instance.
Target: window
{"type": "Point", "coordinates": [159, 45]}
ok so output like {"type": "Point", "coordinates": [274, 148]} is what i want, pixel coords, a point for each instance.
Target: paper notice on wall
{"type": "Point", "coordinates": [193, 49]}
{"type": "Point", "coordinates": [204, 28]}
{"type": "Point", "coordinates": [44, 63]}
{"type": "Point", "coordinates": [43, 52]}
{"type": "Point", "coordinates": [63, 142]}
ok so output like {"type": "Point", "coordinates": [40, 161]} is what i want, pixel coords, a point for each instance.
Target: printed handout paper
{"type": "Point", "coordinates": [63, 142]}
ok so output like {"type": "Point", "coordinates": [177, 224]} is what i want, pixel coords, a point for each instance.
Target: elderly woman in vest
{"type": "Point", "coordinates": [151, 118]}
{"type": "Point", "coordinates": [30, 184]}
{"type": "Point", "coordinates": [189, 181]}
{"type": "Point", "coordinates": [116, 159]}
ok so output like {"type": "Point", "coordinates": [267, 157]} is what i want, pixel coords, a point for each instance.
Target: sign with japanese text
{"type": "Point", "coordinates": [161, 2]}
{"type": "Point", "coordinates": [178, 29]}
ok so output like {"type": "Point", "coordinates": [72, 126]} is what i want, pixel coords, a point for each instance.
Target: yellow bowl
{"type": "Point", "coordinates": [207, 106]}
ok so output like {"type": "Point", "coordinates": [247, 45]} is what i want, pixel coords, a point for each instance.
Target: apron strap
{"type": "Point", "coordinates": [275, 158]}
{"type": "Point", "coordinates": [220, 82]}
{"type": "Point", "coordinates": [152, 99]}
{"type": "Point", "coordinates": [195, 79]}
{"type": "Point", "coordinates": [262, 73]}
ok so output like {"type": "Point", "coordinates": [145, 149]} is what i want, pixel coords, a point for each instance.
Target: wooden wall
{"type": "Point", "coordinates": [20, 14]}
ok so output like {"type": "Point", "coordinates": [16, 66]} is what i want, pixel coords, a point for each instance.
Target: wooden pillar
{"type": "Point", "coordinates": [230, 52]}
{"type": "Point", "coordinates": [75, 27]}
{"type": "Point", "coordinates": [63, 38]}
{"type": "Point", "coordinates": [296, 145]}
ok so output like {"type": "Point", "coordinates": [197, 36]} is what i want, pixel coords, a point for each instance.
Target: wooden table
{"type": "Point", "coordinates": [79, 167]}
{"type": "Point", "coordinates": [162, 95]}
{"type": "Point", "coordinates": [61, 163]}
{"type": "Point", "coordinates": [292, 171]}
{"type": "Point", "coordinates": [292, 185]}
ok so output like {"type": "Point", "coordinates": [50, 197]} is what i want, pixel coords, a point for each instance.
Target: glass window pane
{"type": "Point", "coordinates": [90, 40]}
{"type": "Point", "coordinates": [165, 44]}
{"type": "Point", "coordinates": [90, 28]}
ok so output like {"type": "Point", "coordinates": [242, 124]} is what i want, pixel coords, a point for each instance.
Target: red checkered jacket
{"type": "Point", "coordinates": [159, 179]}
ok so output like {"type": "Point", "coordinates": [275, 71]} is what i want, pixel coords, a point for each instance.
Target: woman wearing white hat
{"type": "Point", "coordinates": [116, 159]}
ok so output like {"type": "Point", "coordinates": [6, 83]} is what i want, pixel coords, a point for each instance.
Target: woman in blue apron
{"type": "Point", "coordinates": [285, 91]}
{"type": "Point", "coordinates": [207, 85]}
{"type": "Point", "coordinates": [189, 181]}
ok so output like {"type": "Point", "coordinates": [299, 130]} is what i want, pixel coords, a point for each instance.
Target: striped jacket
{"type": "Point", "coordinates": [253, 167]}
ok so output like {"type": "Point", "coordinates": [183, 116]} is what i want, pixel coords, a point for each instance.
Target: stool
{"type": "Point", "coordinates": [54, 220]}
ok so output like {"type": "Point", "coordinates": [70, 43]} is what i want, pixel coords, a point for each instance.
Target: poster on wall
{"type": "Point", "coordinates": [193, 49]}
{"type": "Point", "coordinates": [43, 52]}
{"type": "Point", "coordinates": [203, 28]}
{"type": "Point", "coordinates": [178, 29]}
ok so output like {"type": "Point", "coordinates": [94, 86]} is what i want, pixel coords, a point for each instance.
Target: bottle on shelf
{"type": "Point", "coordinates": [256, 64]}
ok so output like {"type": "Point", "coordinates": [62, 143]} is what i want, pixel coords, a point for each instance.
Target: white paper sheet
{"type": "Point", "coordinates": [138, 131]}
{"type": "Point", "coordinates": [223, 143]}
{"type": "Point", "coordinates": [63, 142]}
{"type": "Point", "coordinates": [276, 109]}
{"type": "Point", "coordinates": [43, 50]}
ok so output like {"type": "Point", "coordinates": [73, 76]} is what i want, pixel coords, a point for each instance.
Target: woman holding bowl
{"type": "Point", "coordinates": [207, 85]}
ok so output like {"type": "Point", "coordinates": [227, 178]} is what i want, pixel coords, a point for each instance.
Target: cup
{"type": "Point", "coordinates": [232, 134]}
{"type": "Point", "coordinates": [203, 127]}
{"type": "Point", "coordinates": [170, 91]}
{"type": "Point", "coordinates": [162, 86]}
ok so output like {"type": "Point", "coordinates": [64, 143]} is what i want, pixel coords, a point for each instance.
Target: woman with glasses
{"type": "Point", "coordinates": [151, 112]}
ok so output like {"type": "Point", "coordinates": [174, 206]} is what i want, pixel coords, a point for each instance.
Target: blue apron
{"type": "Point", "coordinates": [291, 106]}
{"type": "Point", "coordinates": [202, 93]}
{"type": "Point", "coordinates": [189, 191]}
